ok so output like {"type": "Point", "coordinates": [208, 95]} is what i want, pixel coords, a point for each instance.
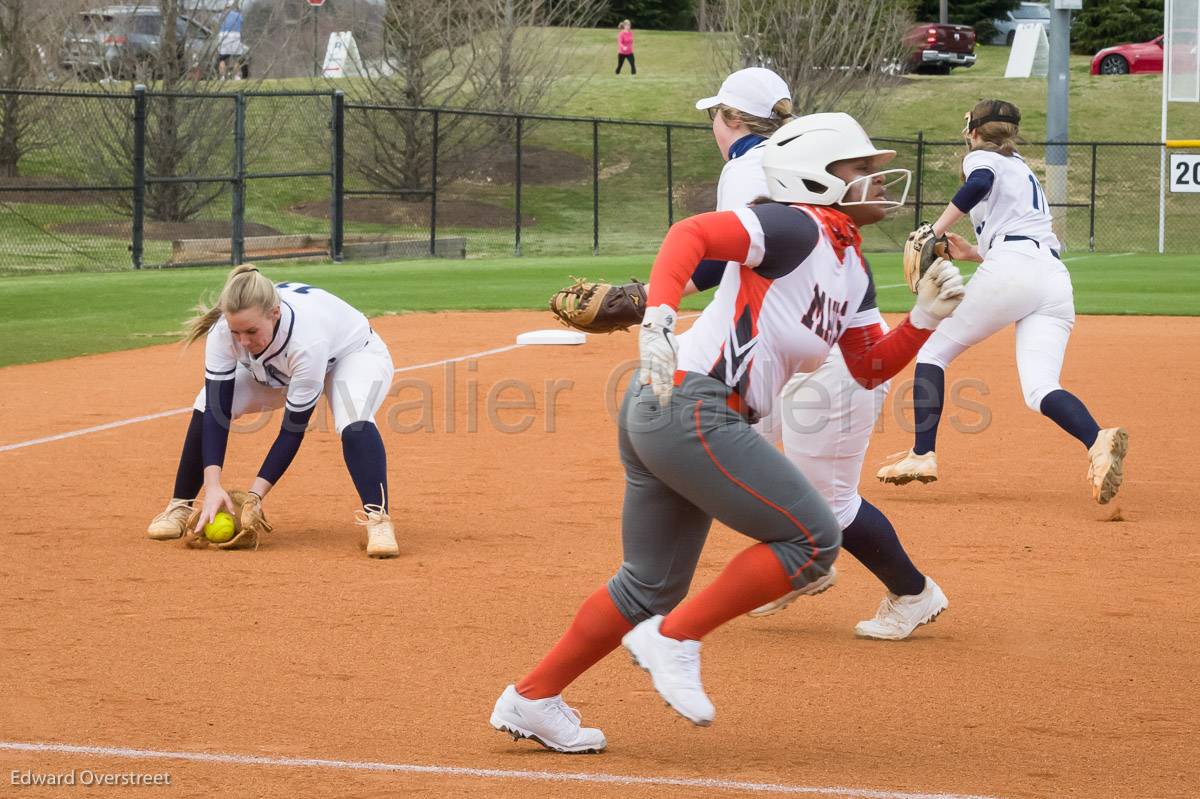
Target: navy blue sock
{"type": "Point", "coordinates": [190, 476]}
{"type": "Point", "coordinates": [1069, 413]}
{"type": "Point", "coordinates": [362, 447]}
{"type": "Point", "coordinates": [872, 539]}
{"type": "Point", "coordinates": [929, 396]}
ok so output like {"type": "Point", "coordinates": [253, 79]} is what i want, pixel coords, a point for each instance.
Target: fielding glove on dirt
{"type": "Point", "coordinates": [248, 523]}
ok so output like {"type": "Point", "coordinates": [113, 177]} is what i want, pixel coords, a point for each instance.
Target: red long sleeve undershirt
{"type": "Point", "coordinates": [719, 235]}
{"type": "Point", "coordinates": [871, 356]}
{"type": "Point", "coordinates": [874, 358]}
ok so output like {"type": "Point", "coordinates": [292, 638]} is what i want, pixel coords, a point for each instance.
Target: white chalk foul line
{"type": "Point", "coordinates": [484, 773]}
{"type": "Point", "coordinates": [176, 411]}
{"type": "Point", "coordinates": [85, 431]}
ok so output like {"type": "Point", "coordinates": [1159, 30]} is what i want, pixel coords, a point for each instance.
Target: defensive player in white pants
{"type": "Point", "coordinates": [280, 346]}
{"type": "Point", "coordinates": [824, 417]}
{"type": "Point", "coordinates": [1021, 280]}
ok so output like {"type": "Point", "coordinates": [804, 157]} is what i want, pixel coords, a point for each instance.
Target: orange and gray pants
{"type": "Point", "coordinates": [694, 461]}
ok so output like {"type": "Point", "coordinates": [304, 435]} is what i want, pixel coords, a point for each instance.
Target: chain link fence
{"type": "Point", "coordinates": [108, 181]}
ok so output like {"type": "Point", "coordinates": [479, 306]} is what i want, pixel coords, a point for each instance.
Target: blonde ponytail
{"type": "Point", "coordinates": [781, 114]}
{"type": "Point", "coordinates": [245, 287]}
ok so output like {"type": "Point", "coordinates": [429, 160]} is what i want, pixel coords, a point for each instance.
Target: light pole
{"type": "Point", "coordinates": [1057, 112]}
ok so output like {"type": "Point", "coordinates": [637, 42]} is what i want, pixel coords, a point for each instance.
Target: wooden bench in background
{"type": "Point", "coordinates": [192, 252]}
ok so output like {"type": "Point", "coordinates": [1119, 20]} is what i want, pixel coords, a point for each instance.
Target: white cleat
{"type": "Point", "coordinates": [904, 467]}
{"type": "Point", "coordinates": [381, 535]}
{"type": "Point", "coordinates": [817, 586]}
{"type": "Point", "coordinates": [171, 522]}
{"type": "Point", "coordinates": [549, 722]}
{"type": "Point", "coordinates": [1106, 469]}
{"type": "Point", "coordinates": [674, 667]}
{"type": "Point", "coordinates": [898, 616]}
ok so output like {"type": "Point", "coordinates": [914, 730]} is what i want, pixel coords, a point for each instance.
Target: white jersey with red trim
{"type": "Point", "coordinates": [798, 290]}
{"type": "Point", "coordinates": [315, 330]}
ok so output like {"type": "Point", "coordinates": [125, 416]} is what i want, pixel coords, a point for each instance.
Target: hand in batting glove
{"type": "Point", "coordinates": [658, 349]}
{"type": "Point", "coordinates": [939, 292]}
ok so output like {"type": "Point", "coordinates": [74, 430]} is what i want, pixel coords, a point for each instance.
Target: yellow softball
{"type": "Point", "coordinates": [220, 529]}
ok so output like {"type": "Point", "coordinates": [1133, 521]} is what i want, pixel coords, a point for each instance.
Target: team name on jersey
{"type": "Point", "coordinates": [826, 317]}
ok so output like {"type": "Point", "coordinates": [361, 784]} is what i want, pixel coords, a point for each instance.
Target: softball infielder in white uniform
{"type": "Point", "coordinates": [281, 346]}
{"type": "Point", "coordinates": [1021, 280]}
{"type": "Point", "coordinates": [824, 417]}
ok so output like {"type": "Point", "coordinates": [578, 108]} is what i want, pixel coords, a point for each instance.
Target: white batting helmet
{"type": "Point", "coordinates": [798, 155]}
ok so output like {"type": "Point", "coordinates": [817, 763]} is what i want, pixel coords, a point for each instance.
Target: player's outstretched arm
{"type": "Point", "coordinates": [874, 358]}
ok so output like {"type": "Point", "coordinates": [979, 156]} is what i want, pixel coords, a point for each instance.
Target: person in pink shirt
{"type": "Point", "coordinates": [625, 46]}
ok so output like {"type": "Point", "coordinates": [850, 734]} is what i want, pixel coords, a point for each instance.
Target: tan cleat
{"type": "Point", "coordinates": [171, 522]}
{"type": "Point", "coordinates": [1107, 467]}
{"type": "Point", "coordinates": [817, 586]}
{"type": "Point", "coordinates": [381, 535]}
{"type": "Point", "coordinates": [904, 467]}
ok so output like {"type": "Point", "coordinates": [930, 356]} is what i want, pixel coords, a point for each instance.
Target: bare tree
{"type": "Point", "coordinates": [28, 54]}
{"type": "Point", "coordinates": [190, 117]}
{"type": "Point", "coordinates": [835, 55]}
{"type": "Point", "coordinates": [503, 55]}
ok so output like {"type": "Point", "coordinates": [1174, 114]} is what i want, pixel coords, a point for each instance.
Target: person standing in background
{"type": "Point", "coordinates": [625, 47]}
{"type": "Point", "coordinates": [229, 41]}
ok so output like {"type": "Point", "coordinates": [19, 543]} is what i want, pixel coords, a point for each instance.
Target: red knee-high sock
{"type": "Point", "coordinates": [754, 577]}
{"type": "Point", "coordinates": [595, 631]}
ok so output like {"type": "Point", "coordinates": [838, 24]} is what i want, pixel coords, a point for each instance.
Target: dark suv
{"type": "Point", "coordinates": [124, 41]}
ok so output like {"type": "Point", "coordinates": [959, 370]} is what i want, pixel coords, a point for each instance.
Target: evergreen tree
{"type": "Point", "coordinates": [651, 14]}
{"type": "Point", "coordinates": [1103, 23]}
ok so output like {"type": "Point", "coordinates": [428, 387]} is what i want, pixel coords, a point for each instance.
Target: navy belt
{"type": "Point", "coordinates": [1036, 243]}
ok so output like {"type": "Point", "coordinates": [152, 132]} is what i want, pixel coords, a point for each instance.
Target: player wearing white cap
{"type": "Point", "coordinates": [824, 418]}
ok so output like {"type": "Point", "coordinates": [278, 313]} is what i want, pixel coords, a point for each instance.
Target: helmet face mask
{"type": "Point", "coordinates": [862, 186]}
{"type": "Point", "coordinates": [798, 156]}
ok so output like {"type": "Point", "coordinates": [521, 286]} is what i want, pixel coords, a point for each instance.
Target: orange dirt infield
{"type": "Point", "coordinates": [1065, 666]}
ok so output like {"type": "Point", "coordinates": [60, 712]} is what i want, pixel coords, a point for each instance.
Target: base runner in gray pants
{"type": "Point", "coordinates": [699, 459]}
{"type": "Point", "coordinates": [690, 454]}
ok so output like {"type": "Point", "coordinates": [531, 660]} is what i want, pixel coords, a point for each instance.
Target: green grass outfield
{"type": "Point", "coordinates": [48, 317]}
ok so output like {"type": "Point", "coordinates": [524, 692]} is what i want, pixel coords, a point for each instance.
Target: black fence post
{"type": "Point", "coordinates": [138, 247]}
{"type": "Point", "coordinates": [517, 216]}
{"type": "Point", "coordinates": [433, 189]}
{"type": "Point", "coordinates": [337, 176]}
{"type": "Point", "coordinates": [670, 183]}
{"type": "Point", "coordinates": [920, 177]}
{"type": "Point", "coordinates": [1092, 204]}
{"type": "Point", "coordinates": [595, 187]}
{"type": "Point", "coordinates": [237, 248]}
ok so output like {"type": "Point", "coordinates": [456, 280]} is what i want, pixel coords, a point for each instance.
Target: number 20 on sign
{"type": "Point", "coordinates": [1185, 172]}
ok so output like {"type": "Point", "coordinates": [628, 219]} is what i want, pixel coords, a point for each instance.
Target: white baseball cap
{"type": "Point", "coordinates": [755, 90]}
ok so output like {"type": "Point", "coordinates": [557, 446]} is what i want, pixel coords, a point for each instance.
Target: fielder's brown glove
{"type": "Point", "coordinates": [248, 523]}
{"type": "Point", "coordinates": [921, 249]}
{"type": "Point", "coordinates": [600, 307]}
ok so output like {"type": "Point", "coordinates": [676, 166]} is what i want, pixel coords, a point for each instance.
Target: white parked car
{"type": "Point", "coordinates": [1006, 29]}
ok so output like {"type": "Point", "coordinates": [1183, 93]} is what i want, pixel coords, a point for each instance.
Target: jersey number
{"type": "Point", "coordinates": [299, 288]}
{"type": "Point", "coordinates": [1039, 197]}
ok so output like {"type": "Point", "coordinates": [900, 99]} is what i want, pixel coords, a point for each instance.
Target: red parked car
{"type": "Point", "coordinates": [1121, 59]}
